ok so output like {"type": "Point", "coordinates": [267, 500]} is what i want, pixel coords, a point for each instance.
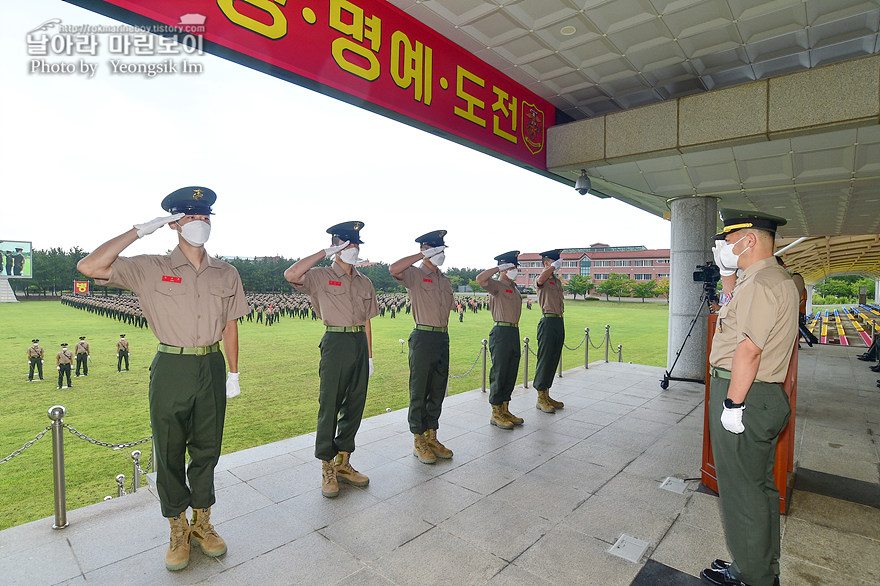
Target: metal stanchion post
{"type": "Point", "coordinates": [56, 414]}
{"type": "Point", "coordinates": [586, 347]}
{"type": "Point", "coordinates": [607, 340]}
{"type": "Point", "coordinates": [619, 353]}
{"type": "Point", "coordinates": [136, 470]}
{"type": "Point", "coordinates": [120, 484]}
{"type": "Point", "coordinates": [485, 342]}
{"type": "Point", "coordinates": [526, 363]}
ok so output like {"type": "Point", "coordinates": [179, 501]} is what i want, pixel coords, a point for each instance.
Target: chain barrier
{"type": "Point", "coordinates": [576, 347]}
{"type": "Point", "coordinates": [602, 343]}
{"type": "Point", "coordinates": [105, 444]}
{"type": "Point", "coordinates": [479, 352]}
{"type": "Point", "coordinates": [25, 446]}
{"type": "Point", "coordinates": [532, 352]}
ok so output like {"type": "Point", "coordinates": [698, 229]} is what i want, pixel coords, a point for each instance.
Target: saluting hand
{"type": "Point", "coordinates": [556, 263]}
{"type": "Point", "coordinates": [505, 267]}
{"type": "Point", "coordinates": [433, 251]}
{"type": "Point", "coordinates": [328, 252]}
{"type": "Point", "coordinates": [156, 223]}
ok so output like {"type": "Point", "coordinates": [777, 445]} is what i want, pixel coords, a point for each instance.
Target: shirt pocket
{"type": "Point", "coordinates": [219, 299]}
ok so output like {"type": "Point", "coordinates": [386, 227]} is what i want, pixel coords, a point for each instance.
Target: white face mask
{"type": "Point", "coordinates": [349, 255]}
{"type": "Point", "coordinates": [438, 259]}
{"type": "Point", "coordinates": [727, 258]}
{"type": "Point", "coordinates": [195, 232]}
{"type": "Point", "coordinates": [511, 274]}
{"type": "Point", "coordinates": [35, 344]}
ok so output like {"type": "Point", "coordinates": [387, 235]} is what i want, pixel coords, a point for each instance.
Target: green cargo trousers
{"type": "Point", "coordinates": [744, 467]}
{"type": "Point", "coordinates": [504, 345]}
{"type": "Point", "coordinates": [187, 411]}
{"type": "Point", "coordinates": [551, 337]}
{"type": "Point", "coordinates": [428, 375]}
{"type": "Point", "coordinates": [344, 372]}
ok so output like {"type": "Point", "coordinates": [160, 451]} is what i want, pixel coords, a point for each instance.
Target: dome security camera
{"type": "Point", "coordinates": [582, 185]}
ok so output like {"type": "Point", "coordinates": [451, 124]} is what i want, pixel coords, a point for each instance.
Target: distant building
{"type": "Point", "coordinates": [597, 262]}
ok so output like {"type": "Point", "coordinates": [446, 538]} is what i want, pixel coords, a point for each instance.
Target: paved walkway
{"type": "Point", "coordinates": [543, 503]}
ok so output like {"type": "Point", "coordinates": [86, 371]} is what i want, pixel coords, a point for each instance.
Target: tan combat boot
{"type": "Point", "coordinates": [439, 449]}
{"type": "Point", "coordinates": [556, 404]}
{"type": "Point", "coordinates": [204, 535]}
{"type": "Point", "coordinates": [499, 419]}
{"type": "Point", "coordinates": [510, 416]}
{"type": "Point", "coordinates": [329, 485]}
{"type": "Point", "coordinates": [421, 450]}
{"type": "Point", "coordinates": [346, 473]}
{"type": "Point", "coordinates": [543, 404]}
{"type": "Point", "coordinates": [177, 556]}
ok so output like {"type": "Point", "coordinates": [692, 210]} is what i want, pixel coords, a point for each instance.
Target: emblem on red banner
{"type": "Point", "coordinates": [533, 127]}
{"type": "Point", "coordinates": [170, 279]}
{"type": "Point", "coordinates": [81, 286]}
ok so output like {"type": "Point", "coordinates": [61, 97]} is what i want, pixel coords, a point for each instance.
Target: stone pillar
{"type": "Point", "coordinates": [877, 291]}
{"type": "Point", "coordinates": [809, 299]}
{"type": "Point", "coordinates": [694, 221]}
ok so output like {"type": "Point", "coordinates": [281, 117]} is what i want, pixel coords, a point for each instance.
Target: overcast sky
{"type": "Point", "coordinates": [81, 160]}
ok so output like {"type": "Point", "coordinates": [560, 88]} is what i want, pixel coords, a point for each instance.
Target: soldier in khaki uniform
{"type": "Point", "coordinates": [82, 356]}
{"type": "Point", "coordinates": [505, 303]}
{"type": "Point", "coordinates": [345, 301]}
{"type": "Point", "coordinates": [121, 353]}
{"type": "Point", "coordinates": [748, 408]}
{"type": "Point", "coordinates": [192, 301]}
{"type": "Point", "coordinates": [63, 362]}
{"type": "Point", "coordinates": [35, 359]}
{"type": "Point", "coordinates": [432, 300]}
{"type": "Point", "coordinates": [551, 329]}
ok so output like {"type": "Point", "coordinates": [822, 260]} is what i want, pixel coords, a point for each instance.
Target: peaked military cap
{"type": "Point", "coordinates": [432, 239]}
{"type": "Point", "coordinates": [508, 257]}
{"type": "Point", "coordinates": [35, 340]}
{"type": "Point", "coordinates": [552, 254]}
{"type": "Point", "coordinates": [121, 335]}
{"type": "Point", "coordinates": [190, 200]}
{"type": "Point", "coordinates": [347, 231]}
{"type": "Point", "coordinates": [82, 337]}
{"type": "Point", "coordinates": [739, 219]}
{"type": "Point", "coordinates": [64, 345]}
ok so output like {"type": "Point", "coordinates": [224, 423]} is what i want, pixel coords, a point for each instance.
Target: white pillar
{"type": "Point", "coordinates": [809, 299]}
{"type": "Point", "coordinates": [694, 220]}
{"type": "Point", "coordinates": [877, 291]}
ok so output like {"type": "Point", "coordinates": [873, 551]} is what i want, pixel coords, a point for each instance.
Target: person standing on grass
{"type": "Point", "coordinates": [35, 359]}
{"type": "Point", "coordinates": [345, 301]}
{"type": "Point", "coordinates": [505, 303]}
{"type": "Point", "coordinates": [82, 356]}
{"type": "Point", "coordinates": [192, 301]}
{"type": "Point", "coordinates": [432, 300]}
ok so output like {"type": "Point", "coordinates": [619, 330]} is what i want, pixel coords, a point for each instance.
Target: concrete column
{"type": "Point", "coordinates": [809, 299]}
{"type": "Point", "coordinates": [694, 220]}
{"type": "Point", "coordinates": [877, 291]}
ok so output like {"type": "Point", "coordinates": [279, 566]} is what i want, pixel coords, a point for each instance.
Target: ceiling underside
{"type": "Point", "coordinates": [595, 57]}
{"type": "Point", "coordinates": [816, 258]}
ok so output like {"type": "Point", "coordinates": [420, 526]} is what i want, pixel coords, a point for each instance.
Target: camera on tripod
{"type": "Point", "coordinates": [709, 274]}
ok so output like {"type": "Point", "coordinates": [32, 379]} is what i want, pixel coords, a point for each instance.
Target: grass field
{"type": "Point", "coordinates": [279, 381]}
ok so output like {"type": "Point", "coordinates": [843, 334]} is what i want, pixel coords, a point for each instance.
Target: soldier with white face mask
{"type": "Point", "coordinates": [505, 303]}
{"type": "Point", "coordinates": [192, 301]}
{"type": "Point", "coordinates": [345, 301]}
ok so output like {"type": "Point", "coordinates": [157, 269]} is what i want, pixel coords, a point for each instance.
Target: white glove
{"type": "Point", "coordinates": [232, 388]}
{"type": "Point", "coordinates": [371, 367]}
{"type": "Point", "coordinates": [506, 266]}
{"type": "Point", "coordinates": [433, 251]}
{"type": "Point", "coordinates": [156, 223]}
{"type": "Point", "coordinates": [117, 355]}
{"type": "Point", "coordinates": [328, 252]}
{"type": "Point", "coordinates": [42, 361]}
{"type": "Point", "coordinates": [732, 419]}
{"type": "Point", "coordinates": [57, 368]}
{"type": "Point", "coordinates": [716, 252]}
{"type": "Point", "coordinates": [556, 263]}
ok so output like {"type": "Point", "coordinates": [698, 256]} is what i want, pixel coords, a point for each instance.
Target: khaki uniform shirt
{"type": "Point", "coordinates": [184, 306]}
{"type": "Point", "coordinates": [82, 348]}
{"type": "Point", "coordinates": [64, 357]}
{"type": "Point", "coordinates": [551, 295]}
{"type": "Point", "coordinates": [340, 299]}
{"type": "Point", "coordinates": [505, 302]}
{"type": "Point", "coordinates": [431, 294]}
{"type": "Point", "coordinates": [764, 308]}
{"type": "Point", "coordinates": [122, 345]}
{"type": "Point", "coordinates": [35, 352]}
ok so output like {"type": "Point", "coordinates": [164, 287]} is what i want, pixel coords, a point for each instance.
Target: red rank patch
{"type": "Point", "coordinates": [508, 291]}
{"type": "Point", "coordinates": [428, 280]}
{"type": "Point", "coordinates": [335, 283]}
{"type": "Point", "coordinates": [170, 279]}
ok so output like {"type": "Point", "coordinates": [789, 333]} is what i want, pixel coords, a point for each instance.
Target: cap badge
{"type": "Point", "coordinates": [197, 193]}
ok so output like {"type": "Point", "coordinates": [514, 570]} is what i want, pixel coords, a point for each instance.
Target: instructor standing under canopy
{"type": "Point", "coordinates": [551, 329]}
{"type": "Point", "coordinates": [432, 300]}
{"type": "Point", "coordinates": [748, 408]}
{"type": "Point", "coordinates": [192, 301]}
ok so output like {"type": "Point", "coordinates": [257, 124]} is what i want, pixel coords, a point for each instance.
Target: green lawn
{"type": "Point", "coordinates": [279, 381]}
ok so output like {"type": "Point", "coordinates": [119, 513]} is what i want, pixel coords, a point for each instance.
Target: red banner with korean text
{"type": "Point", "coordinates": [368, 49]}
{"type": "Point", "coordinates": [80, 286]}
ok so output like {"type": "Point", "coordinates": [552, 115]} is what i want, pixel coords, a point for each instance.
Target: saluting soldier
{"type": "Point", "coordinates": [121, 353]}
{"type": "Point", "coordinates": [63, 362]}
{"type": "Point", "coordinates": [748, 408]}
{"type": "Point", "coordinates": [551, 329]}
{"type": "Point", "coordinates": [432, 300]}
{"type": "Point", "coordinates": [35, 359]}
{"type": "Point", "coordinates": [82, 356]}
{"type": "Point", "coordinates": [192, 301]}
{"type": "Point", "coordinates": [505, 303]}
{"type": "Point", "coordinates": [345, 301]}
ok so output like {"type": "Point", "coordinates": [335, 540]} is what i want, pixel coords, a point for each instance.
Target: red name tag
{"type": "Point", "coordinates": [428, 280]}
{"type": "Point", "coordinates": [552, 283]}
{"type": "Point", "coordinates": [170, 279]}
{"type": "Point", "coordinates": [508, 291]}
{"type": "Point", "coordinates": [335, 283]}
